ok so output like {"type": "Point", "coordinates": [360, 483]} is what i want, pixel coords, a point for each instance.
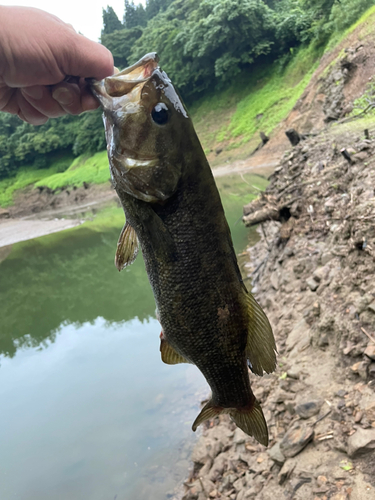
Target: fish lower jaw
{"type": "Point", "coordinates": [125, 163]}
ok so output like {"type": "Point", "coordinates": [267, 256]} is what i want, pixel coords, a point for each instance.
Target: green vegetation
{"type": "Point", "coordinates": [275, 90]}
{"type": "Point", "coordinates": [244, 61]}
{"type": "Point", "coordinates": [28, 176]}
{"type": "Point", "coordinates": [85, 168]}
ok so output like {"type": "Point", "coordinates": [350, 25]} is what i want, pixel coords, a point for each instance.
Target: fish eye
{"type": "Point", "coordinates": [160, 114]}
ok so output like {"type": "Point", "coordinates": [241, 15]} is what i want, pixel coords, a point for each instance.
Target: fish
{"type": "Point", "coordinates": [174, 214]}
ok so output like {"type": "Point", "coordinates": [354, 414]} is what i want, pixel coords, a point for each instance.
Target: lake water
{"type": "Point", "coordinates": [87, 409]}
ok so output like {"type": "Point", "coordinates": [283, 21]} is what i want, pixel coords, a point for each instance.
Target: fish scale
{"type": "Point", "coordinates": [174, 212]}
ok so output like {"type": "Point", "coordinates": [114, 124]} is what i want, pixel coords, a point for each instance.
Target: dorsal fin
{"type": "Point", "coordinates": [127, 247]}
{"type": "Point", "coordinates": [260, 347]}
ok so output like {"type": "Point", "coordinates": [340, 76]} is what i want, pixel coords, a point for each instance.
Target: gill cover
{"type": "Point", "coordinates": [145, 123]}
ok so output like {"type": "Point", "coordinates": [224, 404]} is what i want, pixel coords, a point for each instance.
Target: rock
{"type": "Point", "coordinates": [276, 454]}
{"type": "Point", "coordinates": [362, 442]}
{"type": "Point", "coordinates": [358, 417]}
{"type": "Point", "coordinates": [320, 273]}
{"type": "Point", "coordinates": [4, 214]}
{"type": "Point", "coordinates": [274, 279]}
{"type": "Point", "coordinates": [326, 257]}
{"type": "Point", "coordinates": [299, 337]}
{"type": "Point", "coordinates": [370, 351]}
{"type": "Point", "coordinates": [362, 156]}
{"type": "Point", "coordinates": [218, 467]}
{"type": "Point", "coordinates": [312, 284]}
{"type": "Point", "coordinates": [308, 409]}
{"type": "Point", "coordinates": [296, 439]}
{"type": "Point", "coordinates": [361, 368]}
{"type": "Point", "coordinates": [214, 447]}
{"type": "Point", "coordinates": [340, 496]}
{"type": "Point", "coordinates": [316, 309]}
{"type": "Point", "coordinates": [207, 485]}
{"type": "Point", "coordinates": [286, 471]}
{"type": "Point", "coordinates": [341, 393]}
{"type": "Point", "coordinates": [239, 436]}
{"type": "Point", "coordinates": [207, 467]}
{"type": "Point", "coordinates": [200, 453]}
{"type": "Point", "coordinates": [239, 484]}
{"type": "Point", "coordinates": [371, 307]}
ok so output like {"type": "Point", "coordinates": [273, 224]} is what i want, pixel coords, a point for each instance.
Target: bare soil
{"type": "Point", "coordinates": [313, 273]}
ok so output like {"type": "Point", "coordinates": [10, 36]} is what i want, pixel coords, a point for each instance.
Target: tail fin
{"type": "Point", "coordinates": [250, 420]}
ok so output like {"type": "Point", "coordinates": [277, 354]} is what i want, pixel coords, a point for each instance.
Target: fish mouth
{"type": "Point", "coordinates": [129, 81]}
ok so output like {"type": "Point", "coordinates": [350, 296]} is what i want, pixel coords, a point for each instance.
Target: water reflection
{"type": "Point", "coordinates": [94, 413]}
{"type": "Point", "coordinates": [73, 280]}
{"type": "Point", "coordinates": [88, 410]}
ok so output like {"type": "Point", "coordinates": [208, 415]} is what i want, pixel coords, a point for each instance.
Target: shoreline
{"type": "Point", "coordinates": [34, 215]}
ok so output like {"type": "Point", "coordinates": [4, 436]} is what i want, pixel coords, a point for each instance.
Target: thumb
{"type": "Point", "coordinates": [87, 59]}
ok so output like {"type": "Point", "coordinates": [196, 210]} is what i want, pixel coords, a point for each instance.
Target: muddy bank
{"type": "Point", "coordinates": [313, 272]}
{"type": "Point", "coordinates": [44, 209]}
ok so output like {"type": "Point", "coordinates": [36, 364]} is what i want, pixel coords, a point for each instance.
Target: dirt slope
{"type": "Point", "coordinates": [343, 75]}
{"type": "Point", "coordinates": [313, 272]}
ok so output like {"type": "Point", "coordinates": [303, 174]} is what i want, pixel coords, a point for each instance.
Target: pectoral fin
{"type": "Point", "coordinates": [127, 247]}
{"type": "Point", "coordinates": [168, 355]}
{"type": "Point", "coordinates": [261, 347]}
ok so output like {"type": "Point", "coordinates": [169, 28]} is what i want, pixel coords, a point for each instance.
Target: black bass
{"type": "Point", "coordinates": [173, 210]}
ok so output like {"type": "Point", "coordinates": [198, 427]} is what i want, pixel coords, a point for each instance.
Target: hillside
{"type": "Point", "coordinates": [301, 94]}
{"type": "Point", "coordinates": [313, 273]}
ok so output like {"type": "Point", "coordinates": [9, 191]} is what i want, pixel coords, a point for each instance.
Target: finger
{"type": "Point", "coordinates": [87, 59]}
{"type": "Point", "coordinates": [41, 99]}
{"type": "Point", "coordinates": [89, 103]}
{"type": "Point", "coordinates": [7, 100]}
{"type": "Point", "coordinates": [68, 96]}
{"type": "Point", "coordinates": [28, 113]}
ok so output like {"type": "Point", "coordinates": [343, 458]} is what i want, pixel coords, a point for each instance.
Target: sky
{"type": "Point", "coordinates": [84, 15]}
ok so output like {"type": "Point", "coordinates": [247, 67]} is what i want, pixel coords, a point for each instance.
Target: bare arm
{"type": "Point", "coordinates": [38, 52]}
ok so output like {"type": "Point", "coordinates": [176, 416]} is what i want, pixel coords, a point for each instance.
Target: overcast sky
{"type": "Point", "coordinates": [84, 15]}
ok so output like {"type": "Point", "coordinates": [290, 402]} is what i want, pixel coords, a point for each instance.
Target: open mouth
{"type": "Point", "coordinates": [127, 80]}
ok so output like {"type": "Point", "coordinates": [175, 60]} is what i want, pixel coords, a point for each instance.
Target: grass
{"type": "Point", "coordinates": [368, 28]}
{"type": "Point", "coordinates": [273, 101]}
{"type": "Point", "coordinates": [253, 104]}
{"type": "Point", "coordinates": [27, 176]}
{"type": "Point", "coordinates": [228, 120]}
{"type": "Point", "coordinates": [85, 168]}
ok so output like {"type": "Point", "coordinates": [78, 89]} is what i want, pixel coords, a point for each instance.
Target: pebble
{"type": "Point", "coordinates": [370, 351]}
{"type": "Point", "coordinates": [285, 472]}
{"type": "Point", "coordinates": [308, 409]}
{"type": "Point", "coordinates": [341, 393]}
{"type": "Point", "coordinates": [312, 284]}
{"type": "Point", "coordinates": [361, 443]}
{"type": "Point", "coordinates": [276, 454]}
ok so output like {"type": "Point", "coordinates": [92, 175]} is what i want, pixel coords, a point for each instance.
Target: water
{"type": "Point", "coordinates": [88, 410]}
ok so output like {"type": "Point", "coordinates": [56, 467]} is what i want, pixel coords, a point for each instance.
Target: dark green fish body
{"type": "Point", "coordinates": [174, 210]}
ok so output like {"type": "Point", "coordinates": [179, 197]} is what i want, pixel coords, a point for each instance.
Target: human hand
{"type": "Point", "coordinates": [39, 55]}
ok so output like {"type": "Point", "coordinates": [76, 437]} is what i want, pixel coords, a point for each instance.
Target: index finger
{"type": "Point", "coordinates": [86, 58]}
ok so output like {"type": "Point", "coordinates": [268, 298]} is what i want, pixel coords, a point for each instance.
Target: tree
{"type": "Point", "coordinates": [134, 15]}
{"type": "Point", "coordinates": [111, 22]}
{"type": "Point", "coordinates": [121, 43]}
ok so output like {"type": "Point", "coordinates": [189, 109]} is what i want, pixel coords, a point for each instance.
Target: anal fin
{"type": "Point", "coordinates": [261, 346]}
{"type": "Point", "coordinates": [251, 420]}
{"type": "Point", "coordinates": [127, 247]}
{"type": "Point", "coordinates": [168, 355]}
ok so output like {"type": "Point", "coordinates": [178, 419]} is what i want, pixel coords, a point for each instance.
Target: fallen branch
{"type": "Point", "coordinates": [263, 215]}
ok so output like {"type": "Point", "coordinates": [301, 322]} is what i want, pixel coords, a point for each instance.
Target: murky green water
{"type": "Point", "coordinates": [87, 409]}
